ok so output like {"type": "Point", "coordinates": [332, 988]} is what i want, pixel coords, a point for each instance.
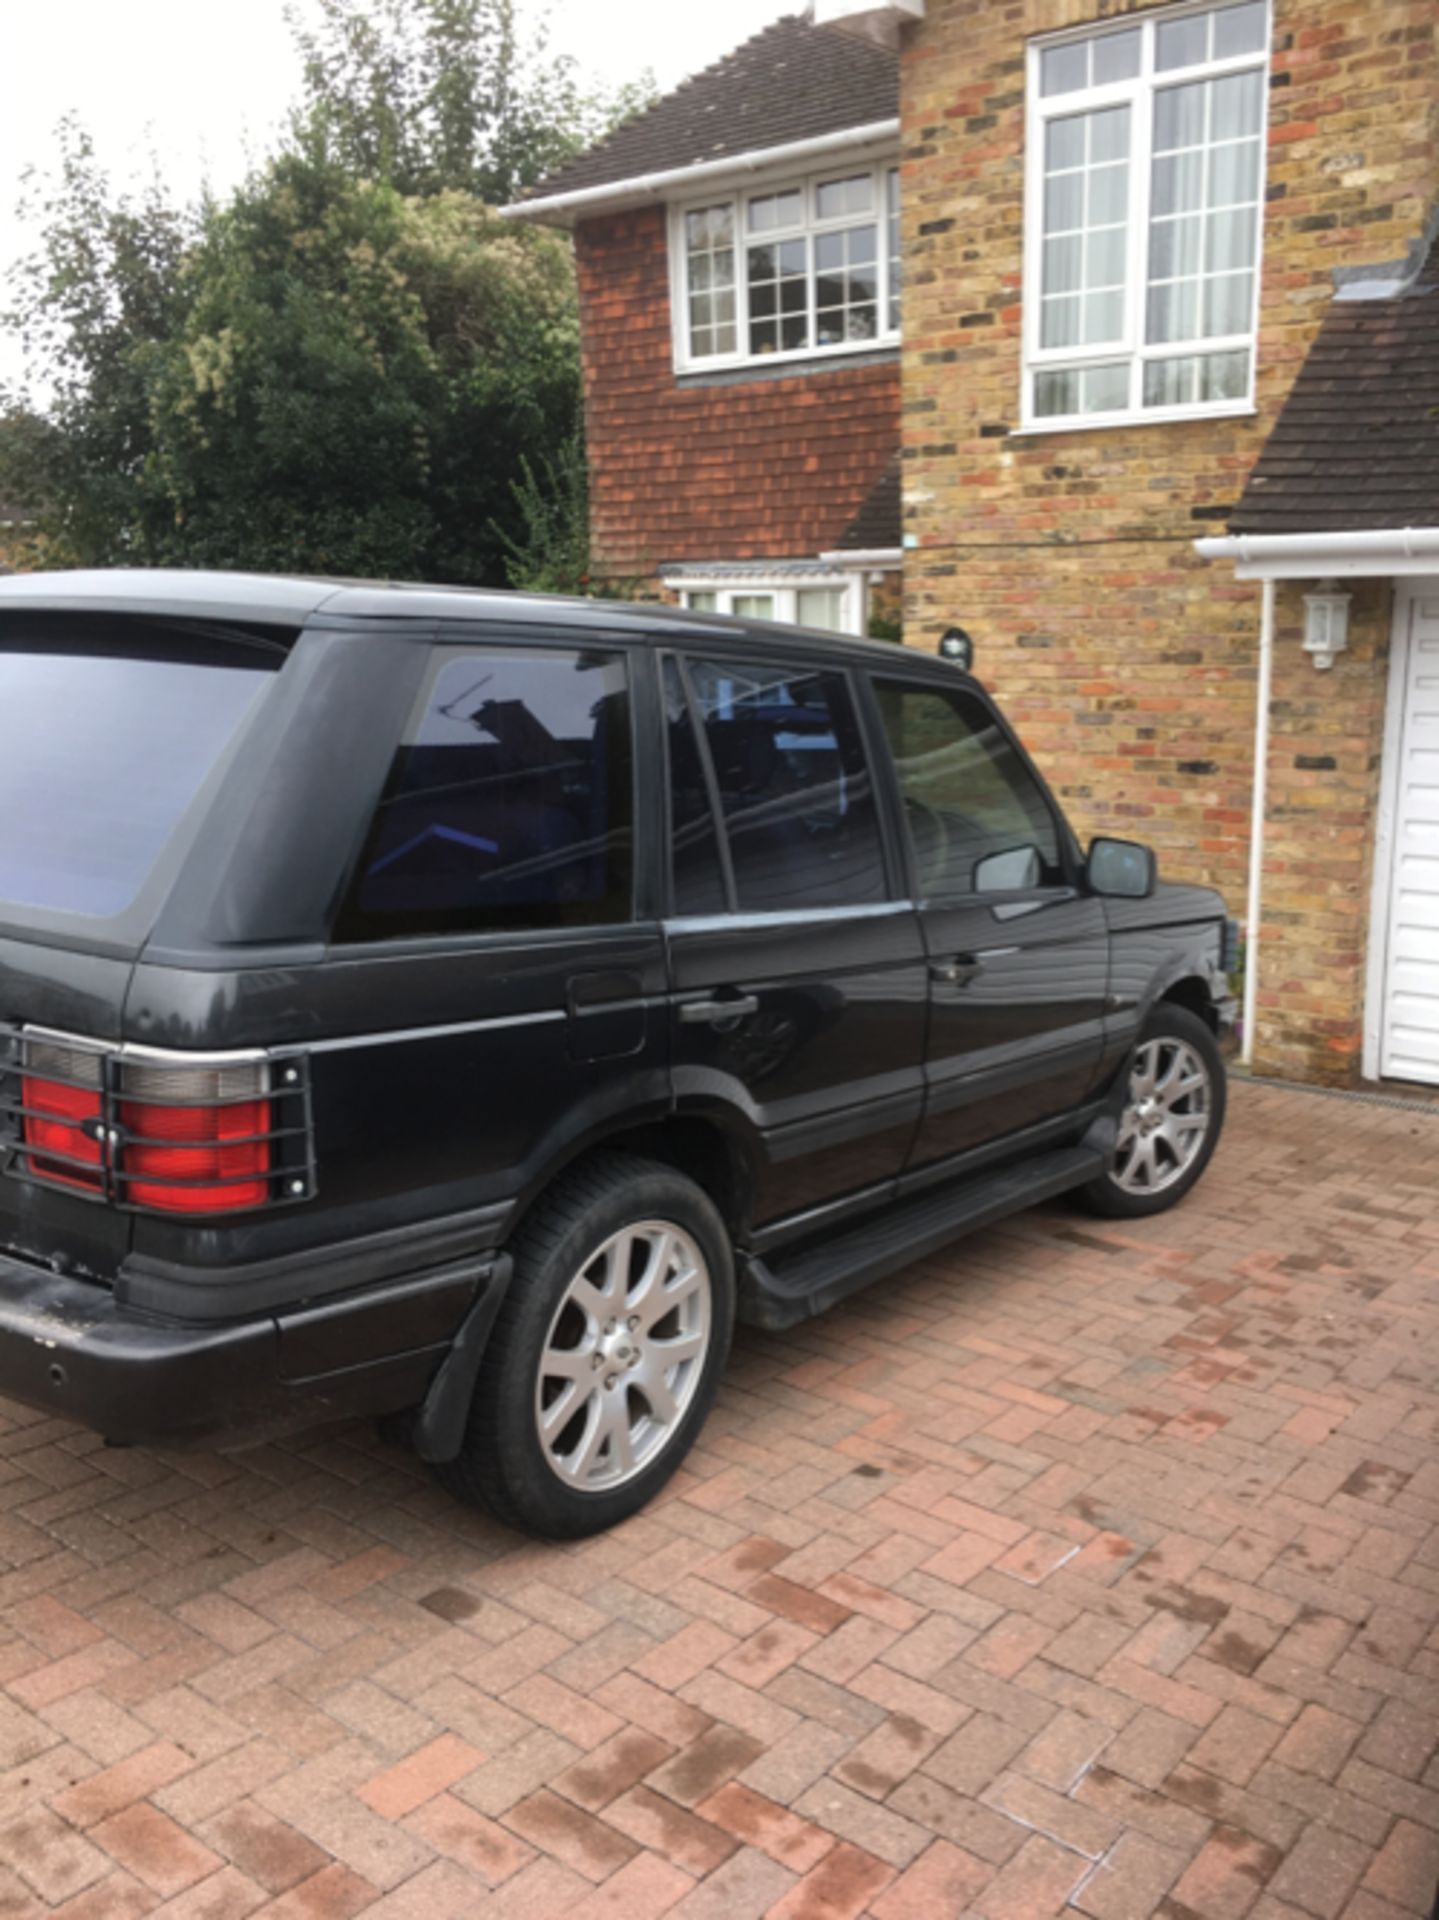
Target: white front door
{"type": "Point", "coordinates": [1409, 1017]}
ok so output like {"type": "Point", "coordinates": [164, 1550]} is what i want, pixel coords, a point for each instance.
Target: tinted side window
{"type": "Point", "coordinates": [101, 754]}
{"type": "Point", "coordinates": [795, 793]}
{"type": "Point", "coordinates": [509, 803]}
{"type": "Point", "coordinates": [977, 819]}
{"type": "Point", "coordinates": [696, 863]}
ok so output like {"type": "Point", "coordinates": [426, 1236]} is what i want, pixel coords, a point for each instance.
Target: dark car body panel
{"type": "Point", "coordinates": [451, 1078]}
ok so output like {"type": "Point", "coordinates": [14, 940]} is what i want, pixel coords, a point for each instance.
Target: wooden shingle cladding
{"type": "Point", "coordinates": [734, 468]}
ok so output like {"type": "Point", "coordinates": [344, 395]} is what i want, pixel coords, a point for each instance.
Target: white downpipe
{"type": "Point", "coordinates": [1256, 825]}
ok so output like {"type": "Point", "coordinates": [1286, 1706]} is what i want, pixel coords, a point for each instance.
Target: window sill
{"type": "Point", "coordinates": [1154, 417]}
{"type": "Point", "coordinates": [773, 366]}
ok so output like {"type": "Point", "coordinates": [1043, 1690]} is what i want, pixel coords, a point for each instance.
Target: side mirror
{"type": "Point", "coordinates": [1010, 871]}
{"type": "Point", "coordinates": [1121, 870]}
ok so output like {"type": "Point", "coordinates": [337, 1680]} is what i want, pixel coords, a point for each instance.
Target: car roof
{"type": "Point", "coordinates": [293, 601]}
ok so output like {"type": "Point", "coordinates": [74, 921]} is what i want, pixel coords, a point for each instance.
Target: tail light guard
{"type": "Point", "coordinates": [148, 1130]}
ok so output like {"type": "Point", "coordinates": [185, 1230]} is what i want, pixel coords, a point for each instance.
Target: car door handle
{"type": "Point", "coordinates": [718, 1013]}
{"type": "Point", "coordinates": [959, 971]}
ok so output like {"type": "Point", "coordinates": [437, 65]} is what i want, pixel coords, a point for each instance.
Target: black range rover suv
{"type": "Point", "coordinates": [463, 1007]}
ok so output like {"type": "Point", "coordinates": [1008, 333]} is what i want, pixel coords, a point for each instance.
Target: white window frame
{"type": "Point", "coordinates": [1139, 95]}
{"type": "Point", "coordinates": [760, 186]}
{"type": "Point", "coordinates": [785, 588]}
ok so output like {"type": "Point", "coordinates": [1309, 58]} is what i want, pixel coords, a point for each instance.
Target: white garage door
{"type": "Point", "coordinates": [1410, 1032]}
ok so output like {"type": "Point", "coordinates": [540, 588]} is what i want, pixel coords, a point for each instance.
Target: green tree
{"type": "Point", "coordinates": [346, 365]}
{"type": "Point", "coordinates": [358, 378]}
{"type": "Point", "coordinates": [445, 94]}
{"type": "Point", "coordinates": [95, 308]}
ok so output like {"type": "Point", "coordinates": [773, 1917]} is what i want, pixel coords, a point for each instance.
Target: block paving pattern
{"type": "Point", "coordinates": [1090, 1570]}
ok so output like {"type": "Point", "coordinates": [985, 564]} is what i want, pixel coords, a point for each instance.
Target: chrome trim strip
{"type": "Point", "coordinates": [159, 1056]}
{"type": "Point", "coordinates": [757, 922]}
{"type": "Point", "coordinates": [349, 1042]}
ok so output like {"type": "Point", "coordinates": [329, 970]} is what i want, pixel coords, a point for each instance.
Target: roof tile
{"type": "Point", "coordinates": [794, 81]}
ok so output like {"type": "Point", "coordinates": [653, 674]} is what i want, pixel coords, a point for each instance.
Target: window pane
{"type": "Point", "coordinates": [1106, 389]}
{"type": "Point", "coordinates": [822, 607]}
{"type": "Point", "coordinates": [1228, 303]}
{"type": "Point", "coordinates": [1173, 311]}
{"type": "Point", "coordinates": [101, 756]}
{"type": "Point", "coordinates": [1108, 136]}
{"type": "Point", "coordinates": [1116, 57]}
{"type": "Point", "coordinates": [1169, 383]}
{"type": "Point", "coordinates": [1064, 203]}
{"type": "Point", "coordinates": [1179, 117]}
{"type": "Point", "coordinates": [702, 602]}
{"type": "Point", "coordinates": [1108, 196]}
{"type": "Point", "coordinates": [771, 210]}
{"type": "Point", "coordinates": [1234, 174]}
{"type": "Point", "coordinates": [1064, 264]}
{"type": "Point", "coordinates": [1197, 377]}
{"type": "Point", "coordinates": [835, 198]}
{"type": "Point", "coordinates": [753, 606]}
{"type": "Point", "coordinates": [1236, 106]}
{"type": "Point", "coordinates": [1224, 376]}
{"type": "Point", "coordinates": [1103, 318]}
{"type": "Point", "coordinates": [1231, 240]}
{"type": "Point", "coordinates": [795, 791]}
{"type": "Point", "coordinates": [896, 251]}
{"type": "Point", "coordinates": [509, 803]}
{"type": "Point", "coordinates": [1060, 324]}
{"type": "Point", "coordinates": [1175, 248]}
{"type": "Point", "coordinates": [1240, 30]}
{"type": "Point", "coordinates": [1178, 183]}
{"type": "Point", "coordinates": [1181, 43]}
{"type": "Point", "coordinates": [709, 238]}
{"type": "Point", "coordinates": [1107, 255]}
{"type": "Point", "coordinates": [846, 286]}
{"type": "Point", "coordinates": [697, 874]}
{"type": "Point", "coordinates": [779, 297]}
{"type": "Point", "coordinates": [969, 801]}
{"type": "Point", "coordinates": [1055, 394]}
{"type": "Point", "coordinates": [1063, 69]}
{"type": "Point", "coordinates": [1064, 144]}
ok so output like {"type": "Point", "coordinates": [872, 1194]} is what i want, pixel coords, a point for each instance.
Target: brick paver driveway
{"type": "Point", "coordinates": [1089, 1570]}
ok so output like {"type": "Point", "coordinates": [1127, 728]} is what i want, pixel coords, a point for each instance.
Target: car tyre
{"type": "Point", "coordinates": [1172, 1120]}
{"type": "Point", "coordinates": [606, 1353]}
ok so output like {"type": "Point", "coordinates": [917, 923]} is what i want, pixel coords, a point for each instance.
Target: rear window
{"type": "Point", "coordinates": [509, 804]}
{"type": "Point", "coordinates": [101, 756]}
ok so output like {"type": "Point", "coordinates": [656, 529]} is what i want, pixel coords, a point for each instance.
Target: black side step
{"type": "Point", "coordinates": [810, 1282]}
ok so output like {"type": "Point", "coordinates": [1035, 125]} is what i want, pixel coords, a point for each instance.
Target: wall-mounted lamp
{"type": "Point", "coordinates": [1326, 623]}
{"type": "Point", "coordinates": [956, 646]}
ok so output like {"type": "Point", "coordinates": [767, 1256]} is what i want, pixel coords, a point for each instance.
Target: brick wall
{"type": "Point", "coordinates": [1129, 663]}
{"type": "Point", "coordinates": [729, 470]}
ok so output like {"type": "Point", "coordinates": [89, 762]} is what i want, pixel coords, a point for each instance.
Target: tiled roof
{"type": "Point", "coordinates": [876, 527]}
{"type": "Point", "coordinates": [794, 81]}
{"type": "Point", "coordinates": [1357, 442]}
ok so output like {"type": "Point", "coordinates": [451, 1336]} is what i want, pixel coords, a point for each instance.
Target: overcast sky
{"type": "Point", "coordinates": [203, 87]}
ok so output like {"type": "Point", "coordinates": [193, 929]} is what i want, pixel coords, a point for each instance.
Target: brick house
{"type": "Point", "coordinates": [1168, 395]}
{"type": "Point", "coordinates": [737, 249]}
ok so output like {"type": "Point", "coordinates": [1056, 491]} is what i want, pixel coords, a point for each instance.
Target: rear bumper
{"type": "Point", "coordinates": [67, 1348]}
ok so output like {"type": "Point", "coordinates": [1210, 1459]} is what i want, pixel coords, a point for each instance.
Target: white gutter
{"type": "Point", "coordinates": [1256, 822]}
{"type": "Point", "coordinates": [1392, 552]}
{"type": "Point", "coordinates": [651, 186]}
{"type": "Point", "coordinates": [878, 558]}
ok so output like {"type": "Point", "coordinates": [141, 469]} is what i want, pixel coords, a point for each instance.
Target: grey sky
{"type": "Point", "coordinates": [203, 87]}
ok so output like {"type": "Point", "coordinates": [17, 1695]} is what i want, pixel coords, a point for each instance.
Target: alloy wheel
{"type": "Point", "coordinates": [624, 1356]}
{"type": "Point", "coordinates": [1167, 1119]}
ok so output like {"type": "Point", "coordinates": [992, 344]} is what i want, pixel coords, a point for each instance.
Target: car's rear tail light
{"type": "Point", "coordinates": [149, 1130]}
{"type": "Point", "coordinates": [62, 1114]}
{"type": "Point", "coordinates": [195, 1139]}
